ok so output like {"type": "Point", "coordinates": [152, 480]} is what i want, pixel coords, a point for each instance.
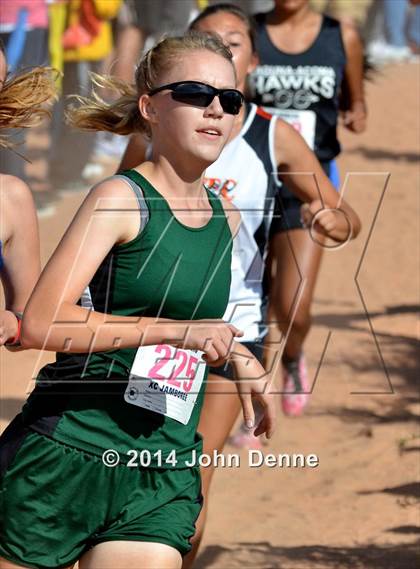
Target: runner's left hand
{"type": "Point", "coordinates": [253, 383]}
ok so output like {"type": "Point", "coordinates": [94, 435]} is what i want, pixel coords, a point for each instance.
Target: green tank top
{"type": "Point", "coordinates": [168, 270]}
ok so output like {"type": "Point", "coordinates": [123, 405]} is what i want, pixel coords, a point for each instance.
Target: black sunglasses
{"type": "Point", "coordinates": [201, 95]}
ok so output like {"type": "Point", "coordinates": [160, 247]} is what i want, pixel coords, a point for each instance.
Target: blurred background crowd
{"type": "Point", "coordinates": [108, 36]}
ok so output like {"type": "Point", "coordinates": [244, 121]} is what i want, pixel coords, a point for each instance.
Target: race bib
{"type": "Point", "coordinates": [303, 121]}
{"type": "Point", "coordinates": [166, 380]}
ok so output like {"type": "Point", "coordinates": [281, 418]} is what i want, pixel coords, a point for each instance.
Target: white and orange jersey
{"type": "Point", "coordinates": [246, 174]}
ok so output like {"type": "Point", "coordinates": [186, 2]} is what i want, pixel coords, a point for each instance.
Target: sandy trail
{"type": "Point", "coordinates": [359, 507]}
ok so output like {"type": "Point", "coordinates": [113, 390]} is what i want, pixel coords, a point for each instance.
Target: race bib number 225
{"type": "Point", "coordinates": [166, 380]}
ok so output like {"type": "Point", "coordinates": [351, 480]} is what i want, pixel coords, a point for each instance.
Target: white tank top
{"type": "Point", "coordinates": [246, 174]}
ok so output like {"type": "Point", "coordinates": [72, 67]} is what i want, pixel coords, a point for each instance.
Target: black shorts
{"type": "Point", "coordinates": [226, 371]}
{"type": "Point", "coordinates": [286, 214]}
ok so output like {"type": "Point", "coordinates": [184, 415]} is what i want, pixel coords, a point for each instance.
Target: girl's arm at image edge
{"type": "Point", "coordinates": [21, 251]}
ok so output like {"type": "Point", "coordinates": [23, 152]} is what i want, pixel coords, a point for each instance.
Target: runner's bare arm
{"type": "Point", "coordinates": [355, 117]}
{"type": "Point", "coordinates": [20, 251]}
{"type": "Point", "coordinates": [297, 167]}
{"type": "Point", "coordinates": [53, 321]}
{"type": "Point", "coordinates": [135, 153]}
{"type": "Point", "coordinates": [253, 382]}
{"type": "Point", "coordinates": [96, 228]}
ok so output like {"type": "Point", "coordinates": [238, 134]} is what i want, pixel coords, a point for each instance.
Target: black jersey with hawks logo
{"type": "Point", "coordinates": [303, 88]}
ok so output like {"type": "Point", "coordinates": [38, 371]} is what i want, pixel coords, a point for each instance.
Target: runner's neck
{"type": "Point", "coordinates": [295, 19]}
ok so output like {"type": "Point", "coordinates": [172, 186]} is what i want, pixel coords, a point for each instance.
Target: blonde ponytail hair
{"type": "Point", "coordinates": [123, 115]}
{"type": "Point", "coordinates": [24, 98]}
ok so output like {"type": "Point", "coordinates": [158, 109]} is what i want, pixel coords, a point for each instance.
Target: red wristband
{"type": "Point", "coordinates": [16, 340]}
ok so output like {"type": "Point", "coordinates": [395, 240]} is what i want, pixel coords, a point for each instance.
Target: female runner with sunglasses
{"type": "Point", "coordinates": [306, 61]}
{"type": "Point", "coordinates": [22, 100]}
{"type": "Point", "coordinates": [97, 466]}
{"type": "Point", "coordinates": [259, 145]}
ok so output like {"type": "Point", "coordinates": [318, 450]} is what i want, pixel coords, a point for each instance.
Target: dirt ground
{"type": "Point", "coordinates": [360, 507]}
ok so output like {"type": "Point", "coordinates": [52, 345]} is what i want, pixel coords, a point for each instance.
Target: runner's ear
{"type": "Point", "coordinates": [147, 109]}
